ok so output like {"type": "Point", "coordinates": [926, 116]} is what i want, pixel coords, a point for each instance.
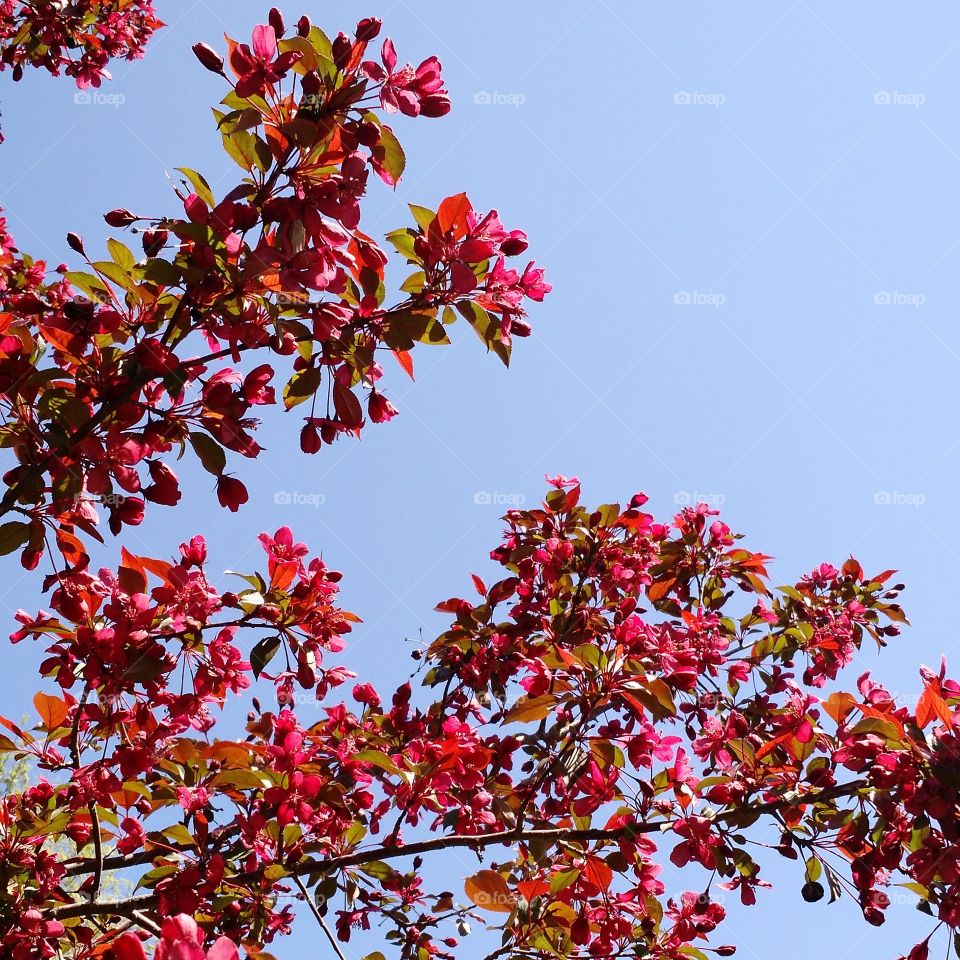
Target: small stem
{"type": "Point", "coordinates": [319, 917]}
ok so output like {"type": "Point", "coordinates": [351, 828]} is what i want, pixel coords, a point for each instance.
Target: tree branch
{"type": "Point", "coordinates": [319, 917]}
{"type": "Point", "coordinates": [478, 841]}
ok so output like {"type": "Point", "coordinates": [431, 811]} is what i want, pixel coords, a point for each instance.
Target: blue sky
{"type": "Point", "coordinates": [750, 217]}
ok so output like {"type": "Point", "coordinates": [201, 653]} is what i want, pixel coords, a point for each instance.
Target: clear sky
{"type": "Point", "coordinates": [749, 213]}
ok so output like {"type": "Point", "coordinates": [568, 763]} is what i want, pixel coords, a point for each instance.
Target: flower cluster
{"type": "Point", "coordinates": [78, 38]}
{"type": "Point", "coordinates": [601, 707]}
{"type": "Point", "coordinates": [106, 371]}
{"type": "Point", "coordinates": [624, 690]}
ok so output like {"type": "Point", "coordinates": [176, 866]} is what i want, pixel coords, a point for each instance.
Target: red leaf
{"type": "Point", "coordinates": [71, 548]}
{"type": "Point", "coordinates": [838, 705]}
{"type": "Point", "coordinates": [452, 214]}
{"type": "Point", "coordinates": [532, 888]}
{"type": "Point", "coordinates": [932, 706]}
{"type": "Point", "coordinates": [598, 873]}
{"type": "Point", "coordinates": [489, 890]}
{"type": "Point", "coordinates": [405, 361]}
{"type": "Point", "coordinates": [53, 711]}
{"type": "Point", "coordinates": [660, 589]}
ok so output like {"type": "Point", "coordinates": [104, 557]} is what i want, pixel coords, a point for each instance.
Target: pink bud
{"type": "Point", "coordinates": [208, 57]}
{"type": "Point", "coordinates": [120, 217]}
{"type": "Point", "coordinates": [368, 29]}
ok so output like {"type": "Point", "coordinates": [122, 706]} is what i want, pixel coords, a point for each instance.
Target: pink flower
{"type": "Point", "coordinates": [180, 939]}
{"type": "Point", "coordinates": [133, 835]}
{"type": "Point", "coordinates": [533, 283]}
{"type": "Point", "coordinates": [281, 546]}
{"type": "Point", "coordinates": [409, 91]}
{"type": "Point", "coordinates": [381, 409]}
{"type": "Point", "coordinates": [231, 493]}
{"type": "Point", "coordinates": [259, 68]}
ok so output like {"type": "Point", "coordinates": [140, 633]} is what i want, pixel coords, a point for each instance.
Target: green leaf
{"type": "Point", "coordinates": [321, 43]}
{"type": "Point", "coordinates": [389, 154]}
{"type": "Point", "coordinates": [209, 452]}
{"type": "Point", "coordinates": [487, 328]}
{"type": "Point", "coordinates": [378, 759]}
{"type": "Point", "coordinates": [302, 386]}
{"type": "Point", "coordinates": [200, 186]}
{"type": "Point", "coordinates": [13, 535]}
{"type": "Point", "coordinates": [262, 653]}
{"type": "Point", "coordinates": [560, 881]}
{"type": "Point", "coordinates": [355, 834]}
{"type": "Point", "coordinates": [301, 45]}
{"type": "Point", "coordinates": [407, 327]}
{"type": "Point", "coordinates": [89, 284]}
{"type": "Point", "coordinates": [121, 254]}
{"type": "Point", "coordinates": [247, 150]}
{"type": "Point", "coordinates": [423, 215]}
{"type": "Point", "coordinates": [414, 283]}
{"type": "Point", "coordinates": [180, 834]}
{"type": "Point", "coordinates": [403, 240]}
{"type": "Point", "coordinates": [161, 272]}
{"type": "Point", "coordinates": [114, 272]}
{"type": "Point", "coordinates": [145, 669]}
{"type": "Point", "coordinates": [251, 600]}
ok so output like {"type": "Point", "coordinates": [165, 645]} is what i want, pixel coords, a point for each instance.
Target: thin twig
{"type": "Point", "coordinates": [142, 920]}
{"type": "Point", "coordinates": [319, 917]}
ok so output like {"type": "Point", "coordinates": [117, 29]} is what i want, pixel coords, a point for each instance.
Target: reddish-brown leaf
{"type": "Point", "coordinates": [452, 214]}
{"type": "Point", "coordinates": [488, 890]}
{"type": "Point", "coordinates": [53, 711]}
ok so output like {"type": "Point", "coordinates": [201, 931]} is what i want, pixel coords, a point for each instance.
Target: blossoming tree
{"type": "Point", "coordinates": [75, 37]}
{"type": "Point", "coordinates": [626, 691]}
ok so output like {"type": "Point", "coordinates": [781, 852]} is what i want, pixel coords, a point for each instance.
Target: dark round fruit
{"type": "Point", "coordinates": [812, 891]}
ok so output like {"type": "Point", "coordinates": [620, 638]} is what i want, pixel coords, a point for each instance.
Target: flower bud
{"type": "Point", "coordinates": [514, 243]}
{"type": "Point", "coordinates": [310, 441]}
{"type": "Point", "coordinates": [154, 241]}
{"type": "Point", "coordinates": [75, 243]}
{"type": "Point", "coordinates": [435, 105]}
{"type": "Point", "coordinates": [275, 19]}
{"type": "Point", "coordinates": [208, 57]}
{"type": "Point", "coordinates": [303, 26]}
{"type": "Point", "coordinates": [120, 217]}
{"type": "Point", "coordinates": [368, 134]}
{"type": "Point", "coordinates": [231, 493]}
{"type": "Point", "coordinates": [368, 29]}
{"type": "Point", "coordinates": [342, 49]}
{"type": "Point", "coordinates": [380, 408]}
